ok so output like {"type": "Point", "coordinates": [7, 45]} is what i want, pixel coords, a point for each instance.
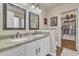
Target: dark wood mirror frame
{"type": "Point", "coordinates": [5, 17]}
{"type": "Point", "coordinates": [32, 19]}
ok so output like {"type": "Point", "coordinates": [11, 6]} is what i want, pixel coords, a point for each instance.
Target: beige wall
{"type": "Point", "coordinates": [43, 15]}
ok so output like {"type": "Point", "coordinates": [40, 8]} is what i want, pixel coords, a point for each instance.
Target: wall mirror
{"type": "Point", "coordinates": [33, 21]}
{"type": "Point", "coordinates": [14, 17]}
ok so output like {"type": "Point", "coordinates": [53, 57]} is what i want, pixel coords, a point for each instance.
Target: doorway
{"type": "Point", "coordinates": [68, 31]}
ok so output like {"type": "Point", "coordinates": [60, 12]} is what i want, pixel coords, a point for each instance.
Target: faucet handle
{"type": "Point", "coordinates": [17, 34]}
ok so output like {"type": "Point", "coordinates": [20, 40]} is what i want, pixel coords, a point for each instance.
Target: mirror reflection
{"type": "Point", "coordinates": [14, 17]}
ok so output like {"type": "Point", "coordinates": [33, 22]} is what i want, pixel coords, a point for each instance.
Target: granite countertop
{"type": "Point", "coordinates": [13, 42]}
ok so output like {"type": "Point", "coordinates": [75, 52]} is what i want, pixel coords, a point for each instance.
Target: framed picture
{"type": "Point", "coordinates": [33, 21]}
{"type": "Point", "coordinates": [45, 21]}
{"type": "Point", "coordinates": [53, 21]}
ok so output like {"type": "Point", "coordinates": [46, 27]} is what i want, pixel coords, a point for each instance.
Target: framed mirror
{"type": "Point", "coordinates": [33, 21]}
{"type": "Point", "coordinates": [14, 17]}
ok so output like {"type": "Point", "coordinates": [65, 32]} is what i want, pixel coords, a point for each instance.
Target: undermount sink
{"type": "Point", "coordinates": [27, 38]}
{"type": "Point", "coordinates": [38, 35]}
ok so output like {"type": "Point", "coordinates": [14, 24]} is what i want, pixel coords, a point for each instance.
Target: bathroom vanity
{"type": "Point", "coordinates": [33, 45]}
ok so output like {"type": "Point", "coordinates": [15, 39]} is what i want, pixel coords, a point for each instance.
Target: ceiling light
{"type": "Point", "coordinates": [37, 8]}
{"type": "Point", "coordinates": [33, 6]}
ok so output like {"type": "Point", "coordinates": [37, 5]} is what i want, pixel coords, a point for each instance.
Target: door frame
{"type": "Point", "coordinates": [75, 9]}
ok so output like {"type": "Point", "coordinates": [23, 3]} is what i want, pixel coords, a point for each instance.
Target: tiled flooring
{"type": "Point", "coordinates": [66, 44]}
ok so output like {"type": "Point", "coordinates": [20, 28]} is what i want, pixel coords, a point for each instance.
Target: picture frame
{"type": "Point", "coordinates": [33, 21]}
{"type": "Point", "coordinates": [45, 21]}
{"type": "Point", "coordinates": [9, 22]}
{"type": "Point", "coordinates": [53, 21]}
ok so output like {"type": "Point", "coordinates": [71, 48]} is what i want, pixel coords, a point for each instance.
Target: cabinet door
{"type": "Point", "coordinates": [31, 48]}
{"type": "Point", "coordinates": [32, 52]}
{"type": "Point", "coordinates": [43, 46]}
{"type": "Point", "coordinates": [16, 51]}
{"type": "Point", "coordinates": [46, 45]}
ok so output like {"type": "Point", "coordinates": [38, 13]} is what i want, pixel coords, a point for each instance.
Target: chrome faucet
{"type": "Point", "coordinates": [18, 35]}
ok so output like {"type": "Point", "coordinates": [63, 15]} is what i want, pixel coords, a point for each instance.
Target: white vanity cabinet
{"type": "Point", "coordinates": [38, 47]}
{"type": "Point", "coordinates": [15, 51]}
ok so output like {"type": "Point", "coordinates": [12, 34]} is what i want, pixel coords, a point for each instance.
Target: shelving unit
{"type": "Point", "coordinates": [68, 26]}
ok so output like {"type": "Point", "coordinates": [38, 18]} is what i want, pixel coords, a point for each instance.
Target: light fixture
{"type": "Point", "coordinates": [36, 7]}
{"type": "Point", "coordinates": [33, 6]}
{"type": "Point", "coordinates": [40, 10]}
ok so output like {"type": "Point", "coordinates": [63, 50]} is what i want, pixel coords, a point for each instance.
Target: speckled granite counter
{"type": "Point", "coordinates": [10, 43]}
